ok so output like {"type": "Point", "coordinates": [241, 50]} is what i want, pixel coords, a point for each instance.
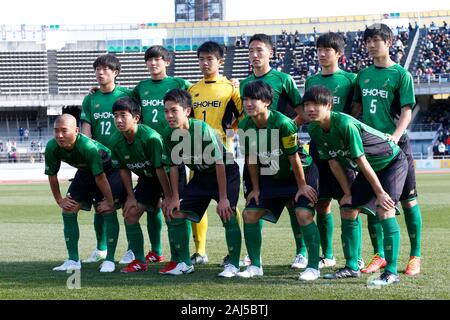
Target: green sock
{"type": "Point", "coordinates": [350, 242]}
{"type": "Point", "coordinates": [376, 234]}
{"type": "Point", "coordinates": [112, 234]}
{"type": "Point", "coordinates": [179, 235]}
{"type": "Point", "coordinates": [413, 219]}
{"type": "Point", "coordinates": [312, 240]}
{"type": "Point", "coordinates": [360, 237]}
{"type": "Point", "coordinates": [300, 247]}
{"type": "Point", "coordinates": [253, 241]}
{"type": "Point", "coordinates": [233, 237]}
{"type": "Point", "coordinates": [154, 228]}
{"type": "Point", "coordinates": [100, 231]}
{"type": "Point", "coordinates": [325, 224]}
{"type": "Point", "coordinates": [136, 240]}
{"type": "Point", "coordinates": [391, 231]}
{"type": "Point", "coordinates": [71, 234]}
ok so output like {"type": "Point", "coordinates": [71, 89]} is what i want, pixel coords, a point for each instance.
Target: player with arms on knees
{"type": "Point", "coordinates": [95, 182]}
{"type": "Point", "coordinates": [277, 175]}
{"type": "Point", "coordinates": [216, 176]}
{"type": "Point", "coordinates": [348, 143]}
{"type": "Point", "coordinates": [137, 148]}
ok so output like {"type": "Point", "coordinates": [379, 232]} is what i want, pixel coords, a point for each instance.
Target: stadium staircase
{"type": "Point", "coordinates": [52, 72]}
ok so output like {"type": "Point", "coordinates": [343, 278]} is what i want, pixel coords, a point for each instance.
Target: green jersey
{"type": "Point", "coordinates": [273, 144]}
{"type": "Point", "coordinates": [341, 84]}
{"type": "Point", "coordinates": [383, 92]}
{"type": "Point", "coordinates": [286, 95]}
{"type": "Point", "coordinates": [349, 139]}
{"type": "Point", "coordinates": [97, 111]}
{"type": "Point", "coordinates": [87, 154]}
{"type": "Point", "coordinates": [150, 94]}
{"type": "Point", "coordinates": [143, 156]}
{"type": "Point", "coordinates": [185, 147]}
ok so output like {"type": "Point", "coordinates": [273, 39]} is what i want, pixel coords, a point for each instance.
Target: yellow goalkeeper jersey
{"type": "Point", "coordinates": [217, 102]}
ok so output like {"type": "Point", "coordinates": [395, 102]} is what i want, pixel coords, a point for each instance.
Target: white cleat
{"type": "Point", "coordinates": [107, 266]}
{"type": "Point", "coordinates": [96, 256]}
{"type": "Point", "coordinates": [251, 271]}
{"type": "Point", "coordinates": [180, 269]}
{"type": "Point", "coordinates": [127, 258]}
{"type": "Point", "coordinates": [68, 265]}
{"type": "Point", "coordinates": [327, 263]}
{"type": "Point", "coordinates": [300, 262]}
{"type": "Point", "coordinates": [361, 264]}
{"type": "Point", "coordinates": [229, 271]}
{"type": "Point", "coordinates": [309, 274]}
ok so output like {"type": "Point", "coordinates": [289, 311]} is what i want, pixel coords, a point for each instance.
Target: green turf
{"type": "Point", "coordinates": [32, 244]}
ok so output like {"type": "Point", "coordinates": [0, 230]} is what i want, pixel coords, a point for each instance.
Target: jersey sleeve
{"type": "Point", "coordinates": [352, 138]}
{"type": "Point", "coordinates": [292, 92]}
{"type": "Point", "coordinates": [407, 91]}
{"type": "Point", "coordinates": [86, 110]}
{"type": "Point", "coordinates": [135, 93]}
{"type": "Point", "coordinates": [288, 137]}
{"type": "Point", "coordinates": [116, 162]}
{"type": "Point", "coordinates": [357, 97]}
{"type": "Point", "coordinates": [94, 160]}
{"type": "Point", "coordinates": [52, 163]}
{"type": "Point", "coordinates": [351, 93]}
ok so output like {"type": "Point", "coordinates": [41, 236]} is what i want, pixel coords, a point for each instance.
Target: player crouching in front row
{"type": "Point", "coordinates": [348, 143]}
{"type": "Point", "coordinates": [279, 178]}
{"type": "Point", "coordinates": [216, 176]}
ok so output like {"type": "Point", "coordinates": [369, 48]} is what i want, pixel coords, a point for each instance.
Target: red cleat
{"type": "Point", "coordinates": [153, 257]}
{"type": "Point", "coordinates": [376, 264]}
{"type": "Point", "coordinates": [169, 267]}
{"type": "Point", "coordinates": [135, 266]}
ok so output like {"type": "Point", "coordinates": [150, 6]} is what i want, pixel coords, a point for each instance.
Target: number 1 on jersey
{"type": "Point", "coordinates": [204, 115]}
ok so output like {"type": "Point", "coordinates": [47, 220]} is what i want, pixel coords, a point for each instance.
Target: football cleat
{"type": "Point", "coordinates": [135, 266]}
{"type": "Point", "coordinates": [153, 257]}
{"type": "Point", "coordinates": [197, 258]}
{"type": "Point", "coordinates": [327, 263]}
{"type": "Point", "coordinates": [107, 266]}
{"type": "Point", "coordinates": [309, 274]}
{"type": "Point", "coordinates": [229, 271]}
{"type": "Point", "coordinates": [68, 265]}
{"type": "Point", "coordinates": [180, 269]}
{"type": "Point", "coordinates": [342, 273]}
{"type": "Point", "coordinates": [376, 264]}
{"type": "Point", "coordinates": [251, 271]}
{"type": "Point", "coordinates": [96, 256]}
{"type": "Point", "coordinates": [127, 258]}
{"type": "Point", "coordinates": [300, 262]}
{"type": "Point", "coordinates": [413, 266]}
{"type": "Point", "coordinates": [386, 278]}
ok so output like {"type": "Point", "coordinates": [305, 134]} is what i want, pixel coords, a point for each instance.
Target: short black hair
{"type": "Point", "coordinates": [258, 90]}
{"type": "Point", "coordinates": [264, 38]}
{"type": "Point", "coordinates": [331, 40]}
{"type": "Point", "coordinates": [212, 48]}
{"type": "Point", "coordinates": [182, 97]}
{"type": "Point", "coordinates": [378, 29]}
{"type": "Point", "coordinates": [156, 52]}
{"type": "Point", "coordinates": [127, 104]}
{"type": "Point", "coordinates": [107, 60]}
{"type": "Point", "coordinates": [318, 95]}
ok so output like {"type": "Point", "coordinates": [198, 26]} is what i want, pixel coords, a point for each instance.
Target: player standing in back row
{"type": "Point", "coordinates": [286, 98]}
{"type": "Point", "coordinates": [385, 94]}
{"type": "Point", "coordinates": [330, 48]}
{"type": "Point", "coordinates": [98, 123]}
{"type": "Point", "coordinates": [150, 94]}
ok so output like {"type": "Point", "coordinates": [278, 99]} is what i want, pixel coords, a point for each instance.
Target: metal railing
{"type": "Point", "coordinates": [442, 78]}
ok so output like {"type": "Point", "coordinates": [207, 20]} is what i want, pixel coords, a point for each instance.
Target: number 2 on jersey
{"type": "Point", "coordinates": [155, 115]}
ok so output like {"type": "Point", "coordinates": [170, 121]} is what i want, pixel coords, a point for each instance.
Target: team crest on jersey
{"type": "Point", "coordinates": [97, 105]}
{"type": "Point", "coordinates": [367, 81]}
{"type": "Point", "coordinates": [386, 83]}
{"type": "Point", "coordinates": [337, 88]}
{"type": "Point", "coordinates": [197, 95]}
{"type": "Point", "coordinates": [127, 157]}
{"type": "Point", "coordinates": [145, 93]}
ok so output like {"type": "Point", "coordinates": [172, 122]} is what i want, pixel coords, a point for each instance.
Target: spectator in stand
{"type": "Point", "coordinates": [21, 132]}
{"type": "Point", "coordinates": [26, 134]}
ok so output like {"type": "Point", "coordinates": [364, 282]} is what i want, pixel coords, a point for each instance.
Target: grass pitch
{"type": "Point", "coordinates": [32, 244]}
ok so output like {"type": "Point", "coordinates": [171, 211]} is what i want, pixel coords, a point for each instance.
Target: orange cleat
{"type": "Point", "coordinates": [376, 264]}
{"type": "Point", "coordinates": [413, 266]}
{"type": "Point", "coordinates": [134, 266]}
{"type": "Point", "coordinates": [153, 257]}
